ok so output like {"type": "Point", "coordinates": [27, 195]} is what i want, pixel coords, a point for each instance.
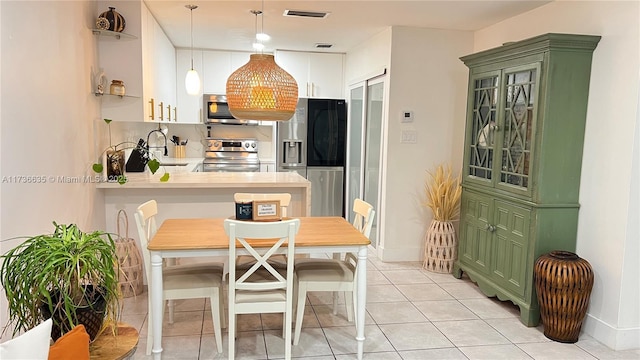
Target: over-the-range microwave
{"type": "Point", "coordinates": [215, 110]}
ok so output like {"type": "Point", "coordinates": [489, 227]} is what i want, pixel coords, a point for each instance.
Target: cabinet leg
{"type": "Point", "coordinates": [529, 317]}
{"type": "Point", "coordinates": [457, 272]}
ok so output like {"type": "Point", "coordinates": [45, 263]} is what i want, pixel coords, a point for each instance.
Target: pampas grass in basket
{"type": "Point", "coordinates": [443, 192]}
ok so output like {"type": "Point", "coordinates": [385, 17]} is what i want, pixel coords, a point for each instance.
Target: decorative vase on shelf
{"type": "Point", "coordinates": [563, 283]}
{"type": "Point", "coordinates": [440, 247]}
{"type": "Point", "coordinates": [116, 21]}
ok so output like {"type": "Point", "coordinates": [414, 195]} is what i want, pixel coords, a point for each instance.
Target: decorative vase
{"type": "Point", "coordinates": [115, 164]}
{"type": "Point", "coordinates": [91, 315]}
{"type": "Point", "coordinates": [116, 21]}
{"type": "Point", "coordinates": [563, 283]}
{"type": "Point", "coordinates": [441, 246]}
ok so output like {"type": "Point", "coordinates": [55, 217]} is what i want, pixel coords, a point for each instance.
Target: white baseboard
{"type": "Point", "coordinates": [401, 254]}
{"type": "Point", "coordinates": [614, 338]}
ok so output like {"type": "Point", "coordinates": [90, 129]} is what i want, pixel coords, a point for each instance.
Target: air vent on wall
{"type": "Point", "coordinates": [310, 14]}
{"type": "Point", "coordinates": [323, 46]}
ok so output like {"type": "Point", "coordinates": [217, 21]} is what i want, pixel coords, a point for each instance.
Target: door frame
{"type": "Point", "coordinates": [380, 213]}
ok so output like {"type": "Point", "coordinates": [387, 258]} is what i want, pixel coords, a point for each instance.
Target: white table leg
{"type": "Point", "coordinates": [155, 292]}
{"type": "Point", "coordinates": [361, 299]}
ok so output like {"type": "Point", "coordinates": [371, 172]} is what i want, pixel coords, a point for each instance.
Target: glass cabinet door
{"type": "Point", "coordinates": [517, 128]}
{"type": "Point", "coordinates": [481, 139]}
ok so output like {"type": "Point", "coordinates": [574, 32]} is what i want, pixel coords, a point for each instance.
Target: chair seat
{"type": "Point", "coordinates": [323, 270]}
{"type": "Point", "coordinates": [243, 296]}
{"type": "Point", "coordinates": [194, 275]}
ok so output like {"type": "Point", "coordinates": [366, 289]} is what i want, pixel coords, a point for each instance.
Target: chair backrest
{"type": "Point", "coordinates": [251, 234]}
{"type": "Point", "coordinates": [363, 220]}
{"type": "Point", "coordinates": [285, 199]}
{"type": "Point", "coordinates": [146, 223]}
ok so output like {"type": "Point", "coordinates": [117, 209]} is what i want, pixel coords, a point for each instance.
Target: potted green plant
{"type": "Point", "coordinates": [443, 192]}
{"type": "Point", "coordinates": [115, 160]}
{"type": "Point", "coordinates": [69, 275]}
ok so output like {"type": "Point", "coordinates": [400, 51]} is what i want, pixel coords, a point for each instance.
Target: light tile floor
{"type": "Point", "coordinates": [412, 314]}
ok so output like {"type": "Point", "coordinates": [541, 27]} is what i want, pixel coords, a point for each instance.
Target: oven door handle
{"type": "Point", "coordinates": [230, 167]}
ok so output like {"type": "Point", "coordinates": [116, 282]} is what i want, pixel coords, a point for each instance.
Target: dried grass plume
{"type": "Point", "coordinates": [443, 193]}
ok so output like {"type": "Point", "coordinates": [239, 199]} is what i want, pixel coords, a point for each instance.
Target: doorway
{"type": "Point", "coordinates": [364, 154]}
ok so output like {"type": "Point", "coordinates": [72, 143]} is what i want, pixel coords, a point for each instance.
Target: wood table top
{"type": "Point", "coordinates": [193, 234]}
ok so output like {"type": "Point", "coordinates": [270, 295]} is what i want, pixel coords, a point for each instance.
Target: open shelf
{"type": "Point", "coordinates": [120, 96]}
{"type": "Point", "coordinates": [117, 35]}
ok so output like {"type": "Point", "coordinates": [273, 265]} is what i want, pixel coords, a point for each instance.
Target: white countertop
{"type": "Point", "coordinates": [183, 179]}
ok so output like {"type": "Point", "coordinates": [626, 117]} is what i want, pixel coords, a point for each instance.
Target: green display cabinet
{"type": "Point", "coordinates": [526, 110]}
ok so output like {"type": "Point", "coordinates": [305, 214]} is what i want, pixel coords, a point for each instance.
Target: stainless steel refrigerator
{"type": "Point", "coordinates": [313, 144]}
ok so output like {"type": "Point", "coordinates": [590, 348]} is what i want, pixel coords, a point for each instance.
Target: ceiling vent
{"type": "Point", "coordinates": [323, 46]}
{"type": "Point", "coordinates": [308, 14]}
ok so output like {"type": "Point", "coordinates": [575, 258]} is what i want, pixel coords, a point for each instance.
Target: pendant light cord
{"type": "Point", "coordinates": [192, 7]}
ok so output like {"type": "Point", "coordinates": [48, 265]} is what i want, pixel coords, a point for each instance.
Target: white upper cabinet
{"type": "Point", "coordinates": [319, 75]}
{"type": "Point", "coordinates": [190, 105]}
{"type": "Point", "coordinates": [217, 68]}
{"type": "Point", "coordinates": [145, 63]}
{"type": "Point", "coordinates": [164, 75]}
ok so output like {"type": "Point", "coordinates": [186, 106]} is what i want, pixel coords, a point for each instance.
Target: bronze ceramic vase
{"type": "Point", "coordinates": [563, 283]}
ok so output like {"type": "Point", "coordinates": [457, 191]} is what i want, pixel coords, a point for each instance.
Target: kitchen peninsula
{"type": "Point", "coordinates": [199, 194]}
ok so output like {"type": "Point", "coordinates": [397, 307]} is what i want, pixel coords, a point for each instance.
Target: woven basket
{"type": "Point", "coordinates": [129, 259]}
{"type": "Point", "coordinates": [563, 285]}
{"type": "Point", "coordinates": [441, 246]}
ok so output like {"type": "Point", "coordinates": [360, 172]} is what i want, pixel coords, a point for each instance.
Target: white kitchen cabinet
{"type": "Point", "coordinates": [319, 75]}
{"type": "Point", "coordinates": [164, 74]}
{"type": "Point", "coordinates": [146, 65]}
{"type": "Point", "coordinates": [190, 105]}
{"type": "Point", "coordinates": [216, 69]}
{"type": "Point", "coordinates": [217, 66]}
{"type": "Point", "coordinates": [267, 166]}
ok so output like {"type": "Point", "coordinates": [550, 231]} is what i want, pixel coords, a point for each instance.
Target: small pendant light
{"type": "Point", "coordinates": [261, 90]}
{"type": "Point", "coordinates": [192, 80]}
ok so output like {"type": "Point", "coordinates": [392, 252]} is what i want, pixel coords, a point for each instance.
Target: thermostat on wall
{"type": "Point", "coordinates": [407, 116]}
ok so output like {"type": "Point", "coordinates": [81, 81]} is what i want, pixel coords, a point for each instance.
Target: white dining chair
{"type": "Point", "coordinates": [261, 288]}
{"type": "Point", "coordinates": [185, 281]}
{"type": "Point", "coordinates": [332, 274]}
{"type": "Point", "coordinates": [285, 200]}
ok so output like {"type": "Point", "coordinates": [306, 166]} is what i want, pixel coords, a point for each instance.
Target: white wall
{"type": "Point", "coordinates": [428, 79]}
{"type": "Point", "coordinates": [47, 118]}
{"type": "Point", "coordinates": [607, 229]}
{"type": "Point", "coordinates": [425, 76]}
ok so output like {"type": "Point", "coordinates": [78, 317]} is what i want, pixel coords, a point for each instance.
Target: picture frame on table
{"type": "Point", "coordinates": [266, 210]}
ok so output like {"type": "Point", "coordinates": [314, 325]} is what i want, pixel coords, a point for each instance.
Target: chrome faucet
{"type": "Point", "coordinates": [166, 151]}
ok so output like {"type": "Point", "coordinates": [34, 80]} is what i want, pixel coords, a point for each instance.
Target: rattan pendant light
{"type": "Point", "coordinates": [262, 90]}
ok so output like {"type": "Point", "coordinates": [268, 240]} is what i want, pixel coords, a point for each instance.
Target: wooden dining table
{"type": "Point", "coordinates": [179, 238]}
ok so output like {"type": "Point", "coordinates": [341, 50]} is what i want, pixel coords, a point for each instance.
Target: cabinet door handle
{"type": "Point", "coordinates": [490, 228]}
{"type": "Point", "coordinates": [175, 113]}
{"type": "Point", "coordinates": [495, 128]}
{"type": "Point", "coordinates": [308, 89]}
{"type": "Point", "coordinates": [161, 106]}
{"type": "Point", "coordinates": [169, 112]}
{"type": "Point", "coordinates": [313, 90]}
{"type": "Point", "coordinates": [153, 107]}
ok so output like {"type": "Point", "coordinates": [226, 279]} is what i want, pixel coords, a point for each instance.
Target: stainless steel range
{"type": "Point", "coordinates": [231, 155]}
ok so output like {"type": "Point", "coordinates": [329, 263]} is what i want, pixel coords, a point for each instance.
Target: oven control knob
{"type": "Point", "coordinates": [208, 143]}
{"type": "Point", "coordinates": [246, 145]}
{"type": "Point", "coordinates": [216, 144]}
{"type": "Point", "coordinates": [253, 145]}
